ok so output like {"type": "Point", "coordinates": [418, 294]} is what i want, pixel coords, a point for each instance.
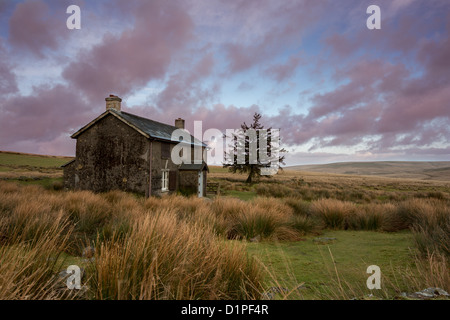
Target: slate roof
{"type": "Point", "coordinates": [66, 164]}
{"type": "Point", "coordinates": [194, 167]}
{"type": "Point", "coordinates": [149, 128]}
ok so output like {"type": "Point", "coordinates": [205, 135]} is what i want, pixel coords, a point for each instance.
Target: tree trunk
{"type": "Point", "coordinates": [250, 176]}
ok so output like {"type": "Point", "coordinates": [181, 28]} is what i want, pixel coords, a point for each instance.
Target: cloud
{"type": "Point", "coordinates": [218, 116]}
{"type": "Point", "coordinates": [281, 72]}
{"type": "Point", "coordinates": [184, 90]}
{"type": "Point", "coordinates": [380, 105]}
{"type": "Point", "coordinates": [382, 93]}
{"type": "Point", "coordinates": [125, 62]}
{"type": "Point", "coordinates": [245, 86]}
{"type": "Point", "coordinates": [32, 28]}
{"type": "Point", "coordinates": [8, 83]}
{"type": "Point", "coordinates": [42, 116]}
{"type": "Point", "coordinates": [267, 26]}
{"type": "Point", "coordinates": [397, 5]}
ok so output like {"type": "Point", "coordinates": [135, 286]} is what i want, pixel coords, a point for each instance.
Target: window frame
{"type": "Point", "coordinates": [165, 180]}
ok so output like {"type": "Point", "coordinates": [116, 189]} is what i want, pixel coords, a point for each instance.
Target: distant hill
{"type": "Point", "coordinates": [432, 170]}
{"type": "Point", "coordinates": [17, 159]}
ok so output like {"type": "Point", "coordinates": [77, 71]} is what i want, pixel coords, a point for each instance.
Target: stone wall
{"type": "Point", "coordinates": [159, 163]}
{"type": "Point", "coordinates": [70, 175]}
{"type": "Point", "coordinates": [111, 155]}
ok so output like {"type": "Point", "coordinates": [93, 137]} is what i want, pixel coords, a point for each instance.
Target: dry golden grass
{"type": "Point", "coordinates": [433, 271]}
{"type": "Point", "coordinates": [158, 248]}
{"type": "Point", "coordinates": [334, 214]}
{"type": "Point", "coordinates": [27, 266]}
{"type": "Point", "coordinates": [165, 258]}
{"type": "Point", "coordinates": [314, 186]}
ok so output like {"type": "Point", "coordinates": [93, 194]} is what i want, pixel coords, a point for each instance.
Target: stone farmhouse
{"type": "Point", "coordinates": [119, 150]}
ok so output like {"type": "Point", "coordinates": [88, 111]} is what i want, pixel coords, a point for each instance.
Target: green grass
{"type": "Point", "coordinates": [243, 195]}
{"type": "Point", "coordinates": [47, 183]}
{"type": "Point", "coordinates": [217, 169]}
{"type": "Point", "coordinates": [66, 260]}
{"type": "Point", "coordinates": [15, 160]}
{"type": "Point", "coordinates": [310, 263]}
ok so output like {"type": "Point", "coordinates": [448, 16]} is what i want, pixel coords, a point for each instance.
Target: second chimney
{"type": "Point", "coordinates": [113, 102]}
{"type": "Point", "coordinates": [179, 123]}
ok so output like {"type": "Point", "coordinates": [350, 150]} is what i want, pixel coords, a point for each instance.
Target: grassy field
{"type": "Point", "coordinates": [315, 185]}
{"type": "Point", "coordinates": [297, 235]}
{"type": "Point", "coordinates": [13, 159]}
{"type": "Point", "coordinates": [31, 167]}
{"type": "Point", "coordinates": [318, 265]}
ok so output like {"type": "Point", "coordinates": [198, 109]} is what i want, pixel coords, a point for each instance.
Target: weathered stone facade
{"type": "Point", "coordinates": [112, 153]}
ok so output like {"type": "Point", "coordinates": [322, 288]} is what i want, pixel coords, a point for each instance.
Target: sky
{"type": "Point", "coordinates": [337, 90]}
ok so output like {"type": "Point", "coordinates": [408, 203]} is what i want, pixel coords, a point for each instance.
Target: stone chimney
{"type": "Point", "coordinates": [179, 123]}
{"type": "Point", "coordinates": [113, 102]}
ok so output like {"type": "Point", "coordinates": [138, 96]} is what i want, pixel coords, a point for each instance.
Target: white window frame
{"type": "Point", "coordinates": [165, 180]}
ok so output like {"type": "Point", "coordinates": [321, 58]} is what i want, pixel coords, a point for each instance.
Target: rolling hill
{"type": "Point", "coordinates": [421, 170]}
{"type": "Point", "coordinates": [15, 164]}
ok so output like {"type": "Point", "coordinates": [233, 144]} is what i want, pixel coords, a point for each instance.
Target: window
{"type": "Point", "coordinates": [165, 151]}
{"type": "Point", "coordinates": [165, 180]}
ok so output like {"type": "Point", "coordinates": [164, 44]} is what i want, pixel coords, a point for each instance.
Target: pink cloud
{"type": "Point", "coordinates": [380, 99]}
{"type": "Point", "coordinates": [341, 45]}
{"type": "Point", "coordinates": [8, 82]}
{"type": "Point", "coordinates": [391, 88]}
{"type": "Point", "coordinates": [41, 117]}
{"type": "Point", "coordinates": [124, 63]}
{"type": "Point", "coordinates": [218, 116]}
{"type": "Point", "coordinates": [271, 26]}
{"type": "Point", "coordinates": [33, 28]}
{"type": "Point", "coordinates": [280, 72]}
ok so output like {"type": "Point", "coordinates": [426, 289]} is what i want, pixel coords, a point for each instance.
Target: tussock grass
{"type": "Point", "coordinates": [333, 214]}
{"type": "Point", "coordinates": [368, 217]}
{"type": "Point", "coordinates": [299, 206]}
{"type": "Point", "coordinates": [277, 191]}
{"type": "Point", "coordinates": [165, 258]}
{"type": "Point", "coordinates": [304, 224]}
{"type": "Point", "coordinates": [432, 271]}
{"type": "Point", "coordinates": [168, 248]}
{"type": "Point", "coordinates": [178, 247]}
{"type": "Point", "coordinates": [28, 266]}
